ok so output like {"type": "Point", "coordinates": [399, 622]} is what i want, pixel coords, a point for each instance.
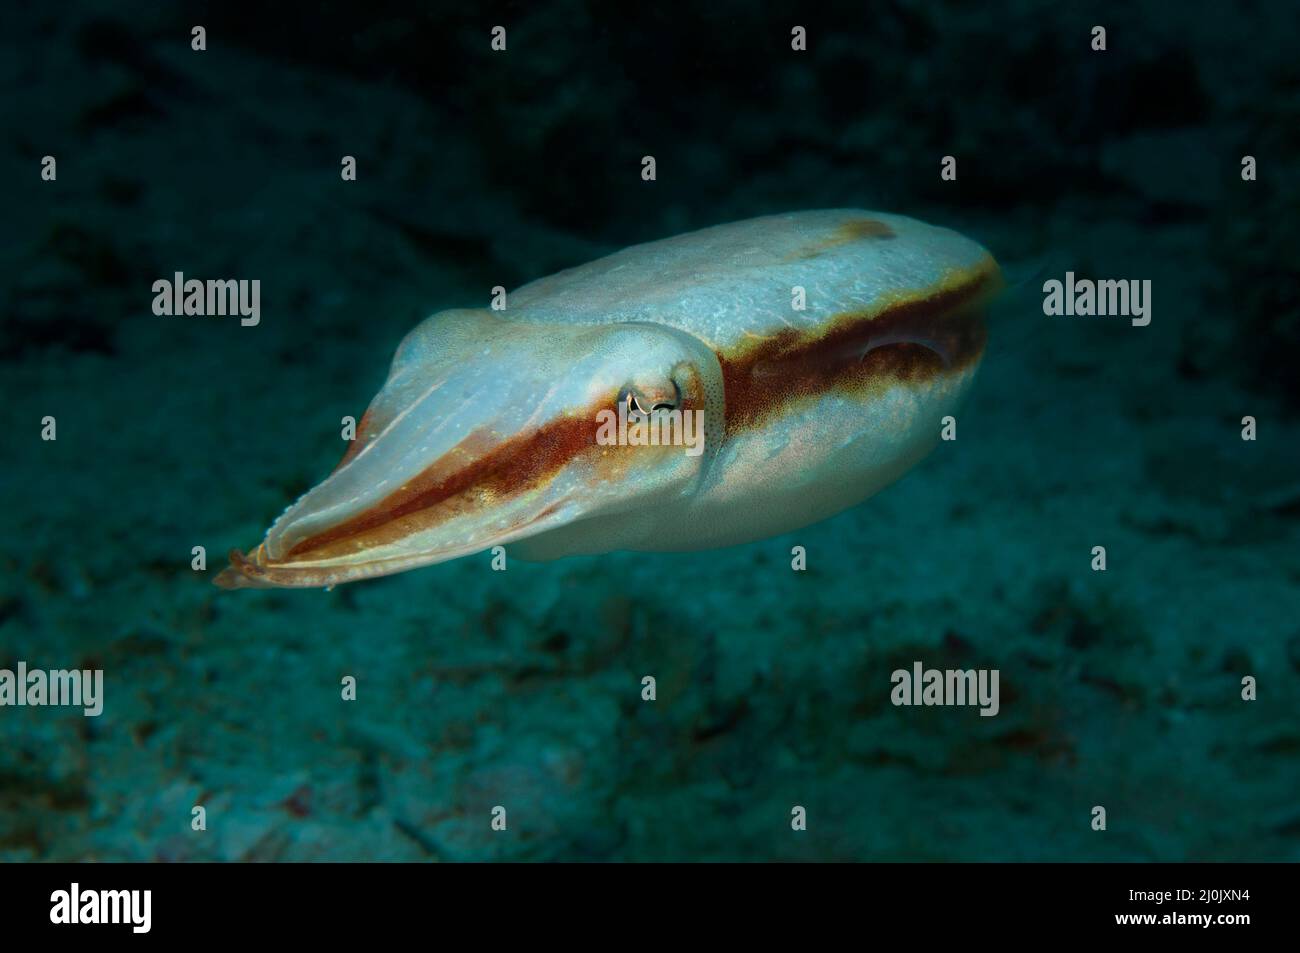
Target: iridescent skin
{"type": "Point", "coordinates": [484, 433]}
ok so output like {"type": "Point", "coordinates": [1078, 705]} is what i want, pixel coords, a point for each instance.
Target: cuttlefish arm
{"type": "Point", "coordinates": [488, 428]}
{"type": "Point", "coordinates": [485, 432]}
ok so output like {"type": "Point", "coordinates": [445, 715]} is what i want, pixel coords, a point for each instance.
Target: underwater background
{"type": "Point", "coordinates": [522, 688]}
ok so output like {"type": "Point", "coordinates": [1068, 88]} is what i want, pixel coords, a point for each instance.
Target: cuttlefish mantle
{"type": "Point", "coordinates": [814, 353]}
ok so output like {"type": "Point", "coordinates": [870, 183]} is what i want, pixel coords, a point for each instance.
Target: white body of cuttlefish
{"type": "Point", "coordinates": [784, 368]}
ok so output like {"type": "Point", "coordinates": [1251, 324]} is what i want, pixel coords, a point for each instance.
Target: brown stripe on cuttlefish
{"type": "Point", "coordinates": [447, 489]}
{"type": "Point", "coordinates": [514, 466]}
{"type": "Point", "coordinates": [762, 378]}
{"type": "Point", "coordinates": [854, 230]}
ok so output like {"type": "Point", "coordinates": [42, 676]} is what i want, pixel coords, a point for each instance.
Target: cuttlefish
{"type": "Point", "coordinates": [815, 354]}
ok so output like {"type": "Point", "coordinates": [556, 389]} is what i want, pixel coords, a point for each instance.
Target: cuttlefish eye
{"type": "Point", "coordinates": [639, 403]}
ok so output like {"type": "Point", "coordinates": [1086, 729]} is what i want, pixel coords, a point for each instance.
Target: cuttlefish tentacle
{"type": "Point", "coordinates": [493, 429]}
